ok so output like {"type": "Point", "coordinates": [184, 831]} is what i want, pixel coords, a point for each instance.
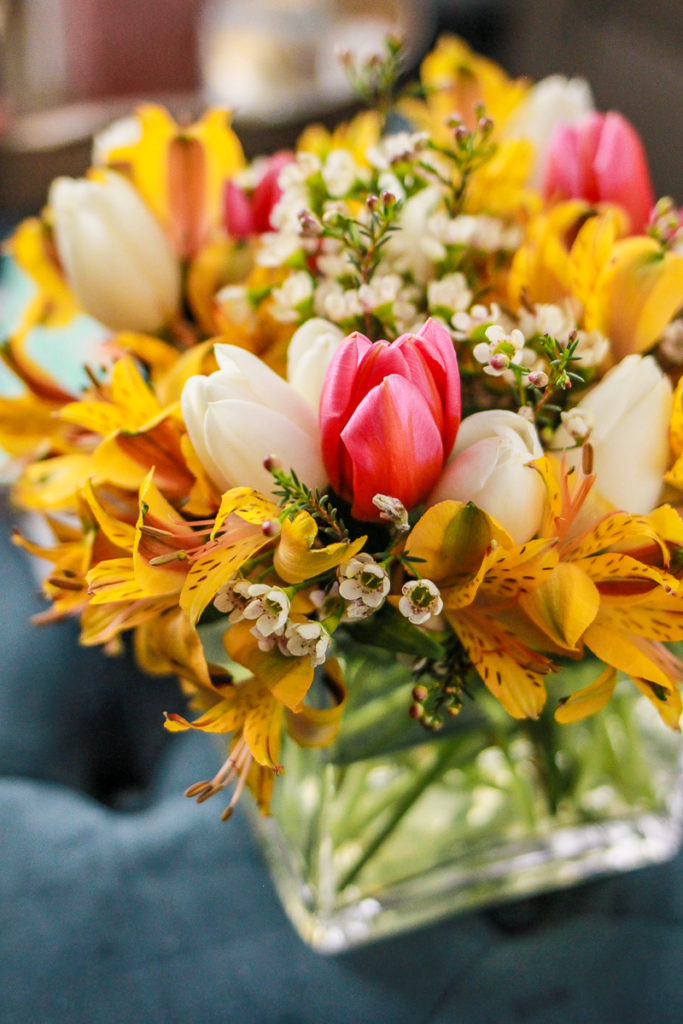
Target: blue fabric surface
{"type": "Point", "coordinates": [122, 902]}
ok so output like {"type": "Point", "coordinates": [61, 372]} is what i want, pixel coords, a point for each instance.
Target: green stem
{"type": "Point", "coordinates": [402, 806]}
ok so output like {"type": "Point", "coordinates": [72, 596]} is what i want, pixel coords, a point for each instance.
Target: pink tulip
{"type": "Point", "coordinates": [389, 414]}
{"type": "Point", "coordinates": [248, 213]}
{"type": "Point", "coordinates": [601, 159]}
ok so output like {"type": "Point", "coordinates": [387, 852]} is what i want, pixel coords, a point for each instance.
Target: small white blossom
{"type": "Point", "coordinates": [449, 292]}
{"type": "Point", "coordinates": [232, 598]}
{"type": "Point", "coordinates": [466, 322]}
{"type": "Point", "coordinates": [362, 579]}
{"type": "Point", "coordinates": [277, 247]}
{"type": "Point", "coordinates": [291, 297]}
{"type": "Point", "coordinates": [421, 599]}
{"type": "Point", "coordinates": [592, 349]}
{"type": "Point", "coordinates": [306, 639]}
{"type": "Point", "coordinates": [269, 606]}
{"type": "Point", "coordinates": [501, 350]}
{"type": "Point", "coordinates": [235, 304]}
{"type": "Point", "coordinates": [340, 172]}
{"type": "Point", "coordinates": [339, 305]}
{"type": "Point", "coordinates": [578, 423]}
{"type": "Point", "coordinates": [382, 291]}
{"type": "Point", "coordinates": [396, 148]}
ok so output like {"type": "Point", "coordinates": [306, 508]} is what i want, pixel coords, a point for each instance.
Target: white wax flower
{"type": "Point", "coordinates": [553, 101]}
{"type": "Point", "coordinates": [242, 414]}
{"type": "Point", "coordinates": [114, 253]}
{"type": "Point", "coordinates": [630, 410]}
{"type": "Point", "coordinates": [310, 350]}
{"type": "Point", "coordinates": [489, 466]}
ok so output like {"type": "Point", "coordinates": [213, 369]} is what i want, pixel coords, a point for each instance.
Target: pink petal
{"type": "Point", "coordinates": [237, 212]}
{"type": "Point", "coordinates": [622, 172]}
{"type": "Point", "coordinates": [267, 193]}
{"type": "Point", "coordinates": [393, 445]}
{"type": "Point", "coordinates": [336, 406]}
{"type": "Point", "coordinates": [436, 347]}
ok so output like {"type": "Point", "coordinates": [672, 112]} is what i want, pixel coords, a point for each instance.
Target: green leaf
{"type": "Point", "coordinates": [389, 629]}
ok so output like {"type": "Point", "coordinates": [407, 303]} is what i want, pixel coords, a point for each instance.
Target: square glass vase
{"type": "Point", "coordinates": [392, 827]}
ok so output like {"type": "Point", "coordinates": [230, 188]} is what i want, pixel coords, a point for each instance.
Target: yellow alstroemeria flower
{"type": "Point", "coordinates": [297, 560]}
{"type": "Point", "coordinates": [180, 171]}
{"type": "Point", "coordinates": [256, 712]}
{"type": "Point", "coordinates": [612, 593]}
{"type": "Point", "coordinates": [482, 574]}
{"type": "Point", "coordinates": [564, 254]}
{"type": "Point", "coordinates": [137, 433]}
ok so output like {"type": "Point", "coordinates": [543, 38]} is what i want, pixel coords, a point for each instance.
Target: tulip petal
{"type": "Point", "coordinates": [246, 376]}
{"type": "Point", "coordinates": [240, 435]}
{"type": "Point", "coordinates": [394, 446]}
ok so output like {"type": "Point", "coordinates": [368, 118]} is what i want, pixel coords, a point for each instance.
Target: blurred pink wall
{"type": "Point", "coordinates": [126, 46]}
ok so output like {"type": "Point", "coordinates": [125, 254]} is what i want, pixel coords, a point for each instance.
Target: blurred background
{"type": "Point", "coordinates": [68, 67]}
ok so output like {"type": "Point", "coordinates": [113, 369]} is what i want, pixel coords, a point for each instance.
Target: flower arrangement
{"type": "Point", "coordinates": [412, 387]}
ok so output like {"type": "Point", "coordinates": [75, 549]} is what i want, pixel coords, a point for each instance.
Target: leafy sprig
{"type": "Point", "coordinates": [296, 497]}
{"type": "Point", "coordinates": [375, 79]}
{"type": "Point", "coordinates": [471, 149]}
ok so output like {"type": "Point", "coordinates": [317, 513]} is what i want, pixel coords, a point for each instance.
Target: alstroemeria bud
{"type": "Point", "coordinates": [490, 467]}
{"type": "Point", "coordinates": [630, 409]}
{"type": "Point", "coordinates": [309, 354]}
{"type": "Point", "coordinates": [238, 415]}
{"type": "Point", "coordinates": [114, 253]}
{"type": "Point", "coordinates": [389, 414]}
{"type": "Point", "coordinates": [601, 159]}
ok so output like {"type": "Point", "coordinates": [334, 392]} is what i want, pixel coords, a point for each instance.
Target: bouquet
{"type": "Point", "coordinates": [411, 388]}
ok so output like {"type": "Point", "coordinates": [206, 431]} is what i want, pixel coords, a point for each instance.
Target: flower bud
{"type": "Point", "coordinates": [490, 467]}
{"type": "Point", "coordinates": [114, 253]}
{"type": "Point", "coordinates": [630, 410]}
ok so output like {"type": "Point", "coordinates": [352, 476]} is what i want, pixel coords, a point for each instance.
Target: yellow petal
{"type": "Point", "coordinates": [296, 560]}
{"type": "Point", "coordinates": [317, 727]}
{"type": "Point", "coordinates": [113, 580]}
{"type": "Point", "coordinates": [451, 540]}
{"type": "Point", "coordinates": [119, 533]}
{"type": "Point", "coordinates": [634, 656]}
{"type": "Point", "coordinates": [227, 714]}
{"type": "Point", "coordinates": [641, 289]}
{"type": "Point", "coordinates": [262, 732]}
{"type": "Point", "coordinates": [588, 257]}
{"type": "Point", "coordinates": [168, 644]}
{"type": "Point", "coordinates": [667, 702]}
{"type": "Point", "coordinates": [53, 483]}
{"type": "Point", "coordinates": [288, 679]}
{"type": "Point", "coordinates": [512, 672]}
{"type": "Point", "coordinates": [589, 700]}
{"type": "Point", "coordinates": [564, 605]}
{"type": "Point", "coordinates": [101, 623]}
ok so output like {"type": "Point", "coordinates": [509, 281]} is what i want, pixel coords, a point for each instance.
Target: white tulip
{"type": "Point", "coordinates": [114, 253]}
{"type": "Point", "coordinates": [310, 350]}
{"type": "Point", "coordinates": [630, 410]}
{"type": "Point", "coordinates": [489, 466]}
{"type": "Point", "coordinates": [552, 101]}
{"type": "Point", "coordinates": [242, 414]}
